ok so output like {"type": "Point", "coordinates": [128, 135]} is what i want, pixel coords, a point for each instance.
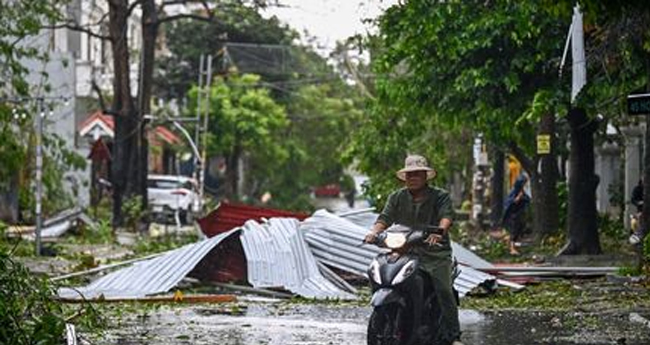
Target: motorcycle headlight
{"type": "Point", "coordinates": [404, 273]}
{"type": "Point", "coordinates": [374, 272]}
{"type": "Point", "coordinates": [394, 241]}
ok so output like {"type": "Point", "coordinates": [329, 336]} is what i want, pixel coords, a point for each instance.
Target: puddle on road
{"type": "Point", "coordinates": [282, 324]}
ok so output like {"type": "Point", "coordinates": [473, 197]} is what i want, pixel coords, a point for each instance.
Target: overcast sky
{"type": "Point", "coordinates": [329, 20]}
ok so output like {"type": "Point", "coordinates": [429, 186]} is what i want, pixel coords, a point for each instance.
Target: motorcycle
{"type": "Point", "coordinates": [403, 299]}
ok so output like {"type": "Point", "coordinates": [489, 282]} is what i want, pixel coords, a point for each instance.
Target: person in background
{"type": "Point", "coordinates": [514, 211]}
{"type": "Point", "coordinates": [514, 170]}
{"type": "Point", "coordinates": [638, 228]}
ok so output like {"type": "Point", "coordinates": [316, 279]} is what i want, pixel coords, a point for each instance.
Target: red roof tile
{"type": "Point", "coordinates": [98, 115]}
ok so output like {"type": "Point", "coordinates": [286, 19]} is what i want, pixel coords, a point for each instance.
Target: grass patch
{"type": "Point", "coordinates": [565, 295]}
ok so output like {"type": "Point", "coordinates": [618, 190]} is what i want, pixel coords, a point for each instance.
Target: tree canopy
{"type": "Point", "coordinates": [21, 21]}
{"type": "Point", "coordinates": [444, 65]}
{"type": "Point", "coordinates": [320, 108]}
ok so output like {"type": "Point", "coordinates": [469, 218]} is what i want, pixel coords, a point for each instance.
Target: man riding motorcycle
{"type": "Point", "coordinates": [418, 205]}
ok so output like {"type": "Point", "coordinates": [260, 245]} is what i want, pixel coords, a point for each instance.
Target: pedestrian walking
{"type": "Point", "coordinates": [514, 212]}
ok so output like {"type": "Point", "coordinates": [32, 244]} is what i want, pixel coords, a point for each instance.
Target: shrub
{"type": "Point", "coordinates": [28, 314]}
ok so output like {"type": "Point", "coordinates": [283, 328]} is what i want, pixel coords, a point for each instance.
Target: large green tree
{"type": "Point", "coordinates": [241, 38]}
{"type": "Point", "coordinates": [20, 23]}
{"type": "Point", "coordinates": [244, 125]}
{"type": "Point", "coordinates": [617, 37]}
{"type": "Point", "coordinates": [322, 118]}
{"type": "Point", "coordinates": [130, 150]}
{"type": "Point", "coordinates": [188, 39]}
{"type": "Point", "coordinates": [481, 65]}
{"type": "Point", "coordinates": [320, 106]}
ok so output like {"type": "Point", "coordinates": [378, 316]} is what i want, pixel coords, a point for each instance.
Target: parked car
{"type": "Point", "coordinates": [173, 196]}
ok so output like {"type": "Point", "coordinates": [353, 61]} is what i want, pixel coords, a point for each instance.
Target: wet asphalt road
{"type": "Point", "coordinates": [280, 324]}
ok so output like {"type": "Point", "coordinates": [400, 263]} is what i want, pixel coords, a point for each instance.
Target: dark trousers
{"type": "Point", "coordinates": [515, 223]}
{"type": "Point", "coordinates": [438, 265]}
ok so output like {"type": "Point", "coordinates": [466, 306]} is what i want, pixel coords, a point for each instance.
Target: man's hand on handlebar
{"type": "Point", "coordinates": [434, 240]}
{"type": "Point", "coordinates": [371, 236]}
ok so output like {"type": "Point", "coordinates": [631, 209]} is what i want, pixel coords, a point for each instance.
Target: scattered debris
{"type": "Point", "coordinates": [257, 291]}
{"type": "Point", "coordinates": [70, 334]}
{"type": "Point", "coordinates": [227, 216]}
{"type": "Point", "coordinates": [279, 253]}
{"type": "Point", "coordinates": [550, 270]}
{"type": "Point", "coordinates": [636, 317]}
{"type": "Point", "coordinates": [55, 226]}
{"type": "Point", "coordinates": [278, 256]}
{"type": "Point", "coordinates": [153, 276]}
{"type": "Point", "coordinates": [175, 298]}
{"type": "Point", "coordinates": [105, 267]}
{"type": "Point", "coordinates": [338, 242]}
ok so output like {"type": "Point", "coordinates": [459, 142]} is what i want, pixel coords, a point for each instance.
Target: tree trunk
{"type": "Point", "coordinates": [232, 173]}
{"type": "Point", "coordinates": [543, 182]}
{"type": "Point", "coordinates": [9, 200]}
{"type": "Point", "coordinates": [147, 59]}
{"type": "Point", "coordinates": [547, 218]}
{"type": "Point", "coordinates": [582, 214]}
{"type": "Point", "coordinates": [127, 123]}
{"type": "Point", "coordinates": [496, 196]}
{"type": "Point", "coordinates": [131, 149]}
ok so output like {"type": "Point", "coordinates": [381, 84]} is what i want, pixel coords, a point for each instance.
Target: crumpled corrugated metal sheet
{"type": "Point", "coordinates": [149, 277]}
{"type": "Point", "coordinates": [228, 216]}
{"type": "Point", "coordinates": [278, 256]}
{"type": "Point", "coordinates": [60, 223]}
{"type": "Point", "coordinates": [364, 218]}
{"type": "Point", "coordinates": [337, 242]}
{"type": "Point", "coordinates": [367, 217]}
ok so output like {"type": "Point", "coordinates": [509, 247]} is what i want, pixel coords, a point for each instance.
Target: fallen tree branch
{"type": "Point", "coordinates": [249, 289]}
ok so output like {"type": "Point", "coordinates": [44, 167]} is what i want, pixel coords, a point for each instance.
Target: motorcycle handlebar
{"type": "Point", "coordinates": [413, 235]}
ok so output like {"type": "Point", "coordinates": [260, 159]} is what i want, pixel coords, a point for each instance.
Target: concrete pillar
{"type": "Point", "coordinates": [457, 189]}
{"type": "Point", "coordinates": [607, 169]}
{"type": "Point", "coordinates": [633, 136]}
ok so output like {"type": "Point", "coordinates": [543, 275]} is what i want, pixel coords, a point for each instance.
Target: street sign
{"type": "Point", "coordinates": [638, 104]}
{"type": "Point", "coordinates": [543, 144]}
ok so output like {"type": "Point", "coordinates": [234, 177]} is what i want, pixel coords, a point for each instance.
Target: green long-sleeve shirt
{"type": "Point", "coordinates": [401, 209]}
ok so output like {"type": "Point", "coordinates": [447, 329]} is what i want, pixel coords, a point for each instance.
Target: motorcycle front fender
{"type": "Point", "coordinates": [385, 296]}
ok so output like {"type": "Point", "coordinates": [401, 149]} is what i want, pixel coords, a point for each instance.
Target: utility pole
{"type": "Point", "coordinates": [206, 118]}
{"type": "Point", "coordinates": [202, 110]}
{"type": "Point", "coordinates": [38, 178]}
{"type": "Point", "coordinates": [197, 134]}
{"type": "Point", "coordinates": [39, 173]}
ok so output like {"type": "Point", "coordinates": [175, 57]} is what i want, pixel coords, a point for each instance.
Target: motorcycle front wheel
{"type": "Point", "coordinates": [387, 326]}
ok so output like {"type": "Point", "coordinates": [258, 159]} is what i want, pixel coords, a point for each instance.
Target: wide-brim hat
{"type": "Point", "coordinates": [416, 163]}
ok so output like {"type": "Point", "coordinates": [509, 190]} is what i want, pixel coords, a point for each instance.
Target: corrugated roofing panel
{"type": "Point", "coordinates": [364, 218]}
{"type": "Point", "coordinates": [336, 241]}
{"type": "Point", "coordinates": [228, 216]}
{"type": "Point", "coordinates": [278, 256]}
{"type": "Point", "coordinates": [149, 277]}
